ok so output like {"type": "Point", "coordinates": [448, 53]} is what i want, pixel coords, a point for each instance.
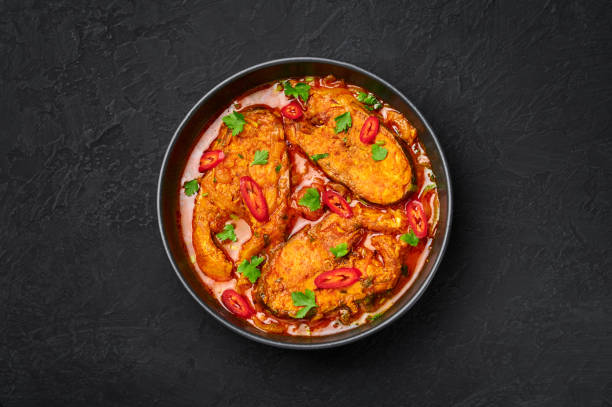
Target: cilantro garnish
{"type": "Point", "coordinates": [249, 268]}
{"type": "Point", "coordinates": [277, 168]}
{"type": "Point", "coordinates": [410, 238]}
{"type": "Point", "coordinates": [191, 187]}
{"type": "Point", "coordinates": [340, 250]}
{"type": "Point", "coordinates": [305, 299]}
{"type": "Point", "coordinates": [317, 157]}
{"type": "Point", "coordinates": [261, 157]}
{"type": "Point", "coordinates": [375, 317]}
{"type": "Point", "coordinates": [300, 90]}
{"type": "Point", "coordinates": [227, 234]}
{"type": "Point", "coordinates": [343, 122]}
{"type": "Point", "coordinates": [429, 187]}
{"type": "Point", "coordinates": [235, 122]}
{"type": "Point", "coordinates": [370, 101]}
{"type": "Point", "coordinates": [311, 199]}
{"type": "Point", "coordinates": [378, 153]}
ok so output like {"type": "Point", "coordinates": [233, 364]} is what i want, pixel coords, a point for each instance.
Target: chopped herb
{"type": "Point", "coordinates": [348, 199]}
{"type": "Point", "coordinates": [305, 299]}
{"type": "Point", "coordinates": [317, 157]}
{"type": "Point", "coordinates": [235, 122]}
{"type": "Point", "coordinates": [309, 78]}
{"type": "Point", "coordinates": [191, 187]}
{"type": "Point", "coordinates": [227, 234]}
{"type": "Point", "coordinates": [261, 157]}
{"type": "Point", "coordinates": [378, 153]}
{"type": "Point", "coordinates": [215, 179]}
{"type": "Point", "coordinates": [249, 268]}
{"type": "Point", "coordinates": [429, 187]}
{"type": "Point", "coordinates": [344, 140]}
{"type": "Point", "coordinates": [278, 87]}
{"type": "Point", "coordinates": [380, 143]}
{"type": "Point", "coordinates": [233, 216]}
{"type": "Point", "coordinates": [410, 238]}
{"type": "Point", "coordinates": [240, 155]}
{"type": "Point", "coordinates": [370, 101]}
{"type": "Point", "coordinates": [374, 317]}
{"type": "Point", "coordinates": [343, 122]}
{"type": "Point", "coordinates": [277, 168]}
{"type": "Point", "coordinates": [300, 90]}
{"type": "Point", "coordinates": [205, 194]}
{"type": "Point", "coordinates": [412, 188]}
{"type": "Point", "coordinates": [340, 250]}
{"type": "Point", "coordinates": [311, 199]}
{"type": "Point", "coordinates": [405, 270]}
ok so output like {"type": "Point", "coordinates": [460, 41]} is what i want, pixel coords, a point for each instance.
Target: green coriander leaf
{"type": "Point", "coordinates": [317, 157]}
{"type": "Point", "coordinates": [311, 199]}
{"type": "Point", "coordinates": [191, 187]}
{"type": "Point", "coordinates": [305, 299]}
{"type": "Point", "coordinates": [343, 122]}
{"type": "Point", "coordinates": [429, 187]}
{"type": "Point", "coordinates": [345, 140]}
{"type": "Point", "coordinates": [369, 100]}
{"type": "Point", "coordinates": [227, 234]}
{"type": "Point", "coordinates": [278, 168]}
{"type": "Point", "coordinates": [412, 188]}
{"type": "Point", "coordinates": [249, 268]}
{"type": "Point", "coordinates": [375, 317]}
{"type": "Point", "coordinates": [261, 157]}
{"type": "Point", "coordinates": [300, 90]}
{"type": "Point", "coordinates": [240, 155]}
{"type": "Point", "coordinates": [340, 250]}
{"type": "Point", "coordinates": [309, 78]}
{"type": "Point", "coordinates": [380, 143]}
{"type": "Point", "coordinates": [205, 194]}
{"type": "Point", "coordinates": [235, 122]}
{"type": "Point", "coordinates": [405, 270]}
{"type": "Point", "coordinates": [233, 216]}
{"type": "Point", "coordinates": [410, 238]}
{"type": "Point", "coordinates": [378, 153]}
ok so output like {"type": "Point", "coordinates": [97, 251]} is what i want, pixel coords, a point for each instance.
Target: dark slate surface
{"type": "Point", "coordinates": [519, 314]}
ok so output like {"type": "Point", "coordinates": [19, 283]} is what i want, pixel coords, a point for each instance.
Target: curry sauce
{"type": "Point", "coordinates": [308, 206]}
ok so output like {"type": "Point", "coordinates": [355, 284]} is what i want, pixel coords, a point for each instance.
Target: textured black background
{"type": "Point", "coordinates": [520, 94]}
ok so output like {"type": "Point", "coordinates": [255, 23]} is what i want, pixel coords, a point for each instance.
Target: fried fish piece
{"type": "Point", "coordinates": [294, 265]}
{"type": "Point", "coordinates": [350, 161]}
{"type": "Point", "coordinates": [219, 195]}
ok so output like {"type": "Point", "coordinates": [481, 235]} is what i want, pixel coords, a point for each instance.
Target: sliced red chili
{"type": "Point", "coordinates": [211, 159]}
{"type": "Point", "coordinates": [337, 204]}
{"type": "Point", "coordinates": [338, 278]}
{"type": "Point", "coordinates": [254, 198]}
{"type": "Point", "coordinates": [237, 304]}
{"type": "Point", "coordinates": [417, 218]}
{"type": "Point", "coordinates": [292, 110]}
{"type": "Point", "coordinates": [369, 130]}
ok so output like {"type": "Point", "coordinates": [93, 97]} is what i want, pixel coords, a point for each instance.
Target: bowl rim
{"type": "Point", "coordinates": [332, 343]}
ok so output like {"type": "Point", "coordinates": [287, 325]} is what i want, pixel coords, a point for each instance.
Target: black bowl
{"type": "Point", "coordinates": [211, 105]}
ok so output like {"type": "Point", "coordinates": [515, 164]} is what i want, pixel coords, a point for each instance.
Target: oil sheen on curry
{"type": "Point", "coordinates": [308, 206]}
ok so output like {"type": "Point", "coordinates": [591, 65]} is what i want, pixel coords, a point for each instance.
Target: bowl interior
{"type": "Point", "coordinates": [208, 108]}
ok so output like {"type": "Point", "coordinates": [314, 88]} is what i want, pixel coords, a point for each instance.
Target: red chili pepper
{"type": "Point", "coordinates": [254, 199]}
{"type": "Point", "coordinates": [211, 159]}
{"type": "Point", "coordinates": [417, 218]}
{"type": "Point", "coordinates": [338, 278]}
{"type": "Point", "coordinates": [369, 130]}
{"type": "Point", "coordinates": [237, 304]}
{"type": "Point", "coordinates": [292, 110]}
{"type": "Point", "coordinates": [336, 203]}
